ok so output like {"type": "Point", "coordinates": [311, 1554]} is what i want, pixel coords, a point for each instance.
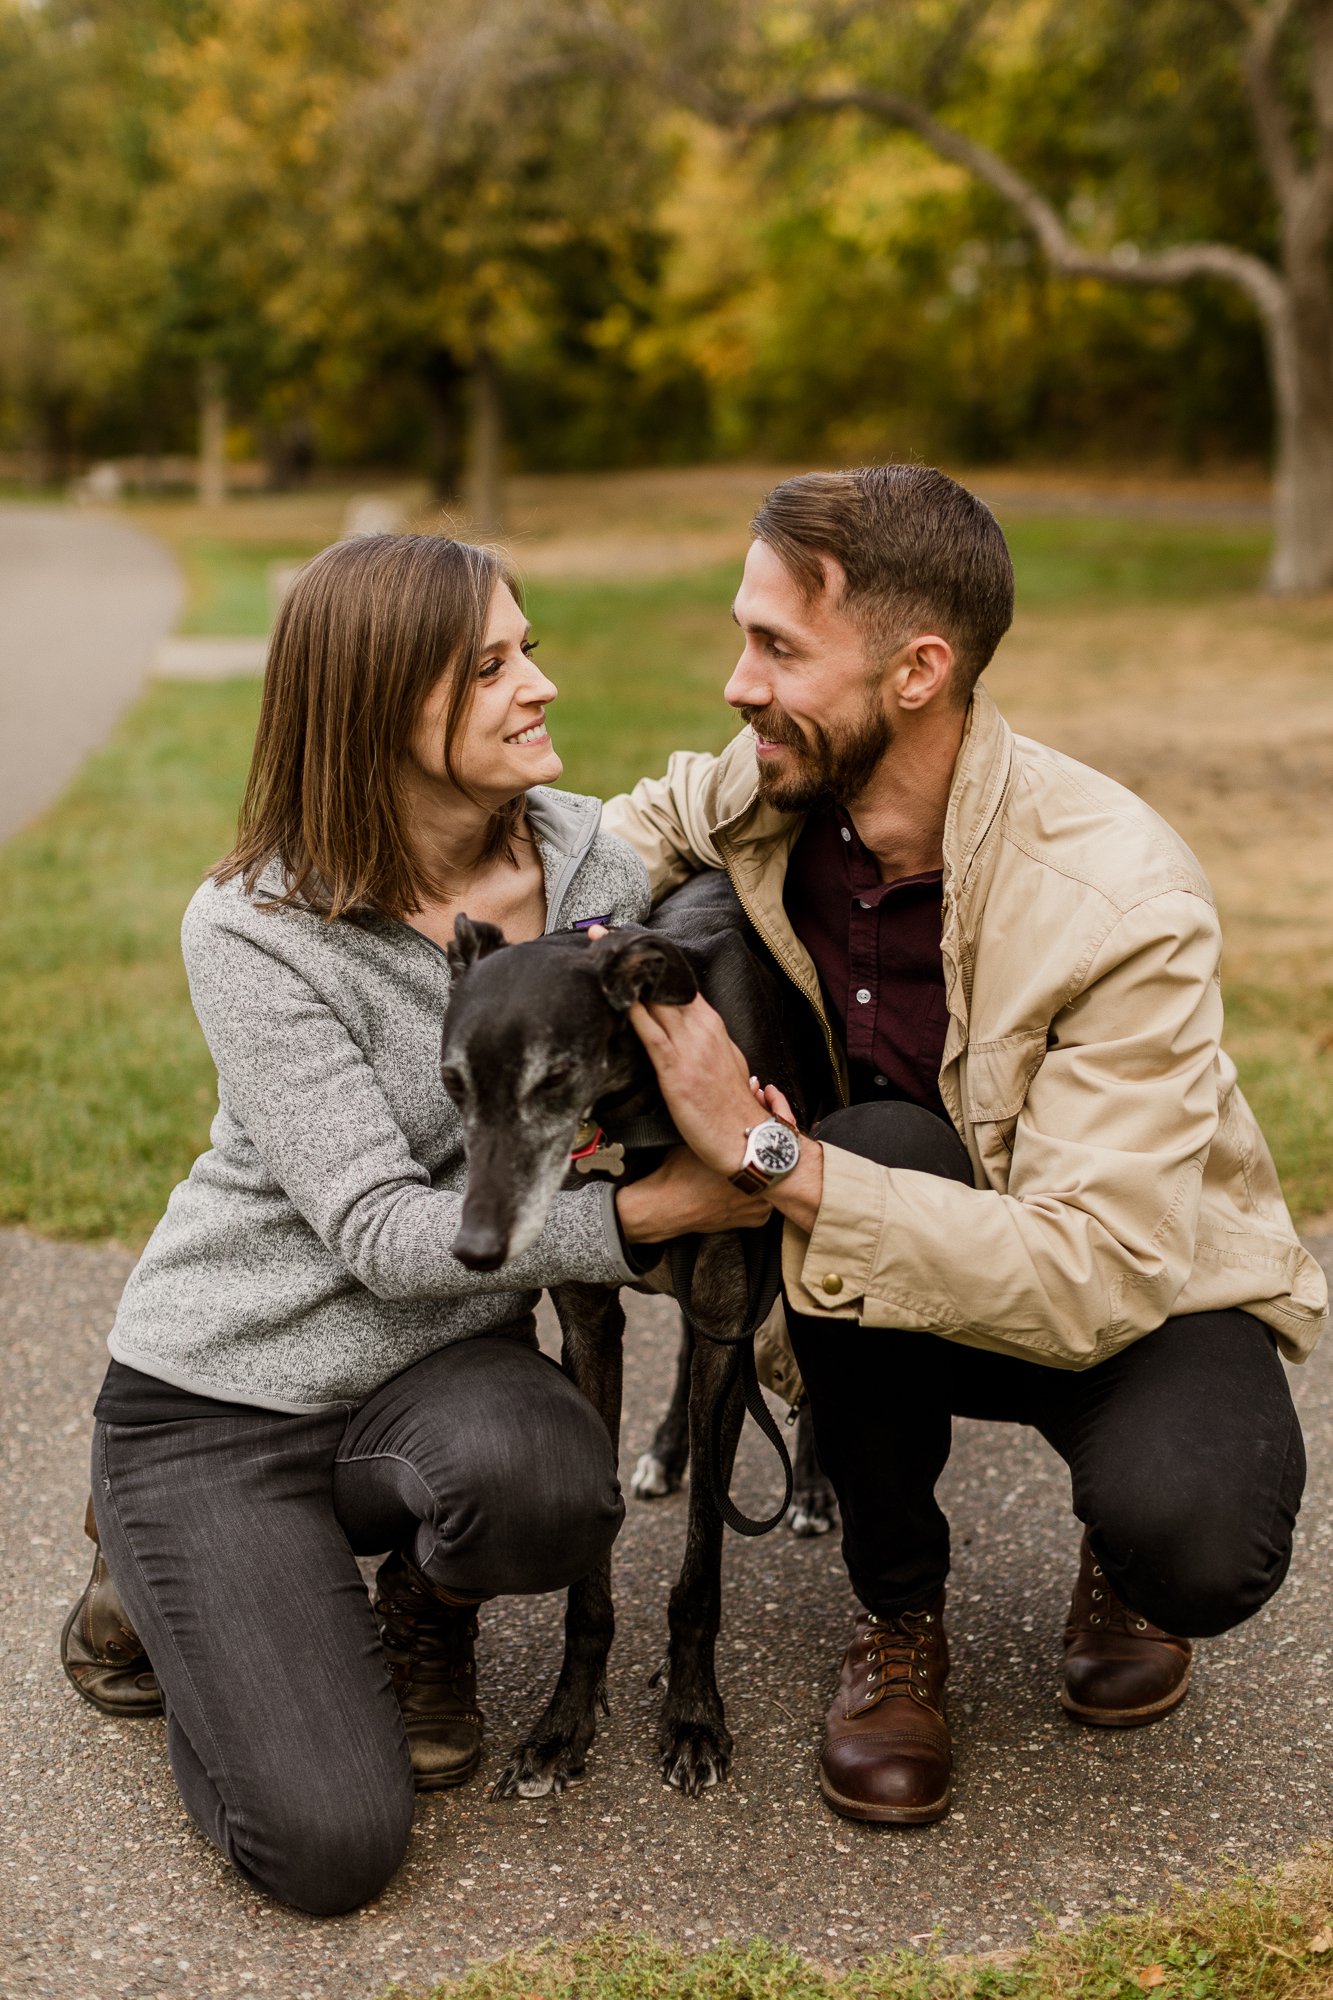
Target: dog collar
{"type": "Point", "coordinates": [587, 1139]}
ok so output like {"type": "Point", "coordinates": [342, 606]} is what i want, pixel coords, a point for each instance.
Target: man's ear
{"type": "Point", "coordinates": [638, 965]}
{"type": "Point", "coordinates": [924, 671]}
{"type": "Point", "coordinates": [472, 941]}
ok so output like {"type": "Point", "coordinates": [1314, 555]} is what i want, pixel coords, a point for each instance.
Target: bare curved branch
{"type": "Point", "coordinates": [1271, 122]}
{"type": "Point", "coordinates": [1320, 14]}
{"type": "Point", "coordinates": [1125, 266]}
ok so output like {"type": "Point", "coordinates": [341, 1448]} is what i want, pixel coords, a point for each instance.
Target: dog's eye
{"type": "Point", "coordinates": [453, 1081]}
{"type": "Point", "coordinates": [554, 1079]}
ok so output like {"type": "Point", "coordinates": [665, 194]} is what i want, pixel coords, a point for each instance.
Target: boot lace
{"type": "Point", "coordinates": [1108, 1613]}
{"type": "Point", "coordinates": [426, 1641]}
{"type": "Point", "coordinates": [897, 1657]}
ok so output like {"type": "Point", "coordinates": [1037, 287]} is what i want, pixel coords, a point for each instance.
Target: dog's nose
{"type": "Point", "coordinates": [479, 1246]}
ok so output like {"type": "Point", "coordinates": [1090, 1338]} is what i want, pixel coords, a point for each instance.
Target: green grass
{"type": "Point", "coordinates": [1086, 560]}
{"type": "Point", "coordinates": [640, 668]}
{"type": "Point", "coordinates": [229, 591]}
{"type": "Point", "coordinates": [106, 1090]}
{"type": "Point", "coordinates": [1288, 1078]}
{"type": "Point", "coordinates": [1246, 1941]}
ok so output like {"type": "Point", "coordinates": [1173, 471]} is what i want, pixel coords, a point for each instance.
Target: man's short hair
{"type": "Point", "coordinates": [920, 554]}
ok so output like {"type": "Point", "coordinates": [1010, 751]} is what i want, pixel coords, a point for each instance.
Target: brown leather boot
{"type": "Point", "coordinates": [100, 1650]}
{"type": "Point", "coordinates": [428, 1635]}
{"type": "Point", "coordinates": [886, 1743]}
{"type": "Point", "coordinates": [1119, 1669]}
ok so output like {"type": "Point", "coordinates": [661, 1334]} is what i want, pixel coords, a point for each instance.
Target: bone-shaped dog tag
{"type": "Point", "coordinates": [606, 1160]}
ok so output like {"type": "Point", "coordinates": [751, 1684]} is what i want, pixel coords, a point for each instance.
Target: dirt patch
{"type": "Point", "coordinates": [1223, 721]}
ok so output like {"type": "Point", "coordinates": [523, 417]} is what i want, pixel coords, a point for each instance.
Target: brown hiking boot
{"type": "Point", "coordinates": [427, 1635]}
{"type": "Point", "coordinates": [886, 1743]}
{"type": "Point", "coordinates": [1119, 1669]}
{"type": "Point", "coordinates": [101, 1651]}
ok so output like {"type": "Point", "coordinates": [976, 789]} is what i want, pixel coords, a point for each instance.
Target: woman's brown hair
{"type": "Point", "coordinates": [365, 632]}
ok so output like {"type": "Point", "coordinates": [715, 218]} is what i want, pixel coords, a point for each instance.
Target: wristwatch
{"type": "Point", "coordinates": [771, 1151]}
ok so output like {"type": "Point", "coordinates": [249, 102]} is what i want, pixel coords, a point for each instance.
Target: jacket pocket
{"type": "Point", "coordinates": [998, 1075]}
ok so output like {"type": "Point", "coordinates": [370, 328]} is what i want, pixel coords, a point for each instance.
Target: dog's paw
{"type": "Point", "coordinates": [535, 1770]}
{"type": "Point", "coordinates": [812, 1511]}
{"type": "Point", "coordinates": [694, 1755]}
{"type": "Point", "coordinates": [652, 1479]}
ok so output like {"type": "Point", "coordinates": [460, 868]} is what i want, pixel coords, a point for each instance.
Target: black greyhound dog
{"type": "Point", "coordinates": [539, 1056]}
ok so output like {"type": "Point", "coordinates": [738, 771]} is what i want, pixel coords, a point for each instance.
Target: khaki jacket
{"type": "Point", "coordinates": [1120, 1176]}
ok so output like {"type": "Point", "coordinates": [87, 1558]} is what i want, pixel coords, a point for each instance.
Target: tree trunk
{"type": "Point", "coordinates": [212, 483]}
{"type": "Point", "coordinates": [1301, 346]}
{"type": "Point", "coordinates": [442, 377]}
{"type": "Point", "coordinates": [485, 486]}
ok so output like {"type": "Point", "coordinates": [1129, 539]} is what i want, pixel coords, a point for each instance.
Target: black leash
{"type": "Point", "coordinates": [764, 1282]}
{"type": "Point", "coordinates": [762, 1251]}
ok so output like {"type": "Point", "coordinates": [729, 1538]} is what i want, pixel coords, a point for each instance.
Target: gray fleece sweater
{"type": "Point", "coordinates": [306, 1259]}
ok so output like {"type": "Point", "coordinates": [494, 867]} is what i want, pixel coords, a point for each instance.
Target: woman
{"type": "Point", "coordinates": [301, 1372]}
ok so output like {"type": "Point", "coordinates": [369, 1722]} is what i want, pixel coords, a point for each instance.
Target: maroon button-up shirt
{"type": "Point", "coordinates": [876, 948]}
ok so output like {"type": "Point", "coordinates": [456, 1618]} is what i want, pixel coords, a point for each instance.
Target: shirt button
{"type": "Point", "coordinates": [832, 1283]}
{"type": "Point", "coordinates": [846, 832]}
{"type": "Point", "coordinates": [881, 1080]}
{"type": "Point", "coordinates": [863, 995]}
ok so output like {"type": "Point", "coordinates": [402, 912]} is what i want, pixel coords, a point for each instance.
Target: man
{"type": "Point", "coordinates": [1045, 1199]}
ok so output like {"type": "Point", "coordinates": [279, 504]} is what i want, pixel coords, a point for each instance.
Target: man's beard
{"type": "Point", "coordinates": [825, 767]}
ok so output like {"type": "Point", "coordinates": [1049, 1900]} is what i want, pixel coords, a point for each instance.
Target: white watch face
{"type": "Point", "coordinates": [773, 1148]}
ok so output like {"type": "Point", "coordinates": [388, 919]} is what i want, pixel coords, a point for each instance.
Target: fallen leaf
{"type": "Point", "coordinates": [1151, 1975]}
{"type": "Point", "coordinates": [1322, 1941]}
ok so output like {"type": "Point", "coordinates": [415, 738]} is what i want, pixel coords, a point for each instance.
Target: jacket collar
{"type": "Point", "coordinates": [565, 826]}
{"type": "Point", "coordinates": [981, 781]}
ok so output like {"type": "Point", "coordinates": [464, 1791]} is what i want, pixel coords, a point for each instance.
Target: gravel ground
{"type": "Point", "coordinates": [105, 1890]}
{"type": "Point", "coordinates": [84, 601]}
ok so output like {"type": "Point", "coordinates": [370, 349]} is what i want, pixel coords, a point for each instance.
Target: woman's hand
{"type": "Point", "coordinates": [685, 1198]}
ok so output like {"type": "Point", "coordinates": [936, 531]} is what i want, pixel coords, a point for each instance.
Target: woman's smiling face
{"type": "Point", "coordinates": [503, 746]}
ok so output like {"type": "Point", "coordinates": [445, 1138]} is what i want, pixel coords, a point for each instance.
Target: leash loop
{"type": "Point", "coordinates": [741, 1523]}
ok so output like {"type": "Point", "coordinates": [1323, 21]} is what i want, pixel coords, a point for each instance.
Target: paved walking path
{"type": "Point", "coordinates": [105, 1891]}
{"type": "Point", "coordinates": [84, 601]}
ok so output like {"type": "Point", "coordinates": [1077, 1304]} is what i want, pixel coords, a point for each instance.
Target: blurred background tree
{"type": "Point", "coordinates": [1096, 130]}
{"type": "Point", "coordinates": [487, 225]}
{"type": "Point", "coordinates": [565, 233]}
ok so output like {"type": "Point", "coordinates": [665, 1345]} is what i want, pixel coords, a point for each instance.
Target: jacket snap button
{"type": "Point", "coordinates": [832, 1283]}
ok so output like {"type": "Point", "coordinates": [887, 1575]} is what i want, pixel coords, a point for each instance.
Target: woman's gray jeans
{"type": "Point", "coordinates": [233, 1543]}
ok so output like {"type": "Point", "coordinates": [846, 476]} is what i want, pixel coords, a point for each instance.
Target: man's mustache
{"type": "Point", "coordinates": [775, 726]}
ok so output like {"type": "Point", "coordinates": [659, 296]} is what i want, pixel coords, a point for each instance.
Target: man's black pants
{"type": "Point", "coordinates": [1184, 1449]}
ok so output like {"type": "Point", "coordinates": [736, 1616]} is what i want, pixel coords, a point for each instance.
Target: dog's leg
{"type": "Point", "coordinates": [693, 1742]}
{"type": "Point", "coordinates": [813, 1507]}
{"type": "Point", "coordinates": [554, 1752]}
{"type": "Point", "coordinates": [662, 1467]}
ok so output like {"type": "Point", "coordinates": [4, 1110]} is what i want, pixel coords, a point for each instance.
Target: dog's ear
{"type": "Point", "coordinates": [638, 965]}
{"type": "Point", "coordinates": [471, 942]}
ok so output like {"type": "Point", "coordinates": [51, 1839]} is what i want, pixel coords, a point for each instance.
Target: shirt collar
{"type": "Point", "coordinates": [863, 869]}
